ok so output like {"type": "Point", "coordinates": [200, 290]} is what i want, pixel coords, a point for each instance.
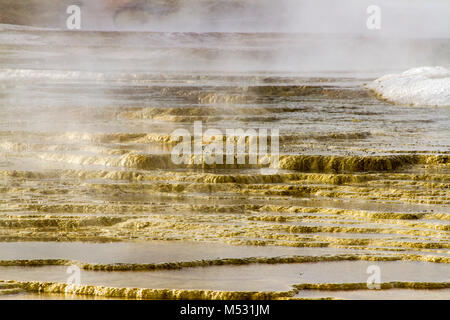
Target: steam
{"type": "Point", "coordinates": [253, 36]}
{"type": "Point", "coordinates": [249, 36]}
{"type": "Point", "coordinates": [400, 18]}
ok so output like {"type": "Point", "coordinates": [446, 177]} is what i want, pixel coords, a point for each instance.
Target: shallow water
{"type": "Point", "coordinates": [86, 175]}
{"type": "Point", "coordinates": [145, 252]}
{"type": "Point", "coordinates": [241, 278]}
{"type": "Point", "coordinates": [263, 278]}
{"type": "Point", "coordinates": [391, 294]}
